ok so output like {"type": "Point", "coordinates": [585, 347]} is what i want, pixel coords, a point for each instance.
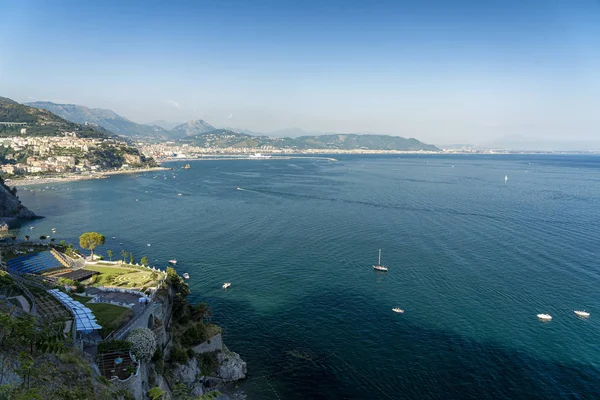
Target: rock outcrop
{"type": "Point", "coordinates": [231, 366]}
{"type": "Point", "coordinates": [10, 205]}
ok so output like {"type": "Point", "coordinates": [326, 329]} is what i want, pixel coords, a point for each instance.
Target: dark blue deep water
{"type": "Point", "coordinates": [471, 259]}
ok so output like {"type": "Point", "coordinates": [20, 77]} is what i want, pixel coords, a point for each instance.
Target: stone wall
{"type": "Point", "coordinates": [215, 343]}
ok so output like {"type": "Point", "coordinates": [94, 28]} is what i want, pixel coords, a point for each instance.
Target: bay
{"type": "Point", "coordinates": [471, 260]}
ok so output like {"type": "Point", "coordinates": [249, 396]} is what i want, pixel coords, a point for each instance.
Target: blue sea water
{"type": "Point", "coordinates": [471, 260]}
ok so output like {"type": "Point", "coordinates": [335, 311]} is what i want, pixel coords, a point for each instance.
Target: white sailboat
{"type": "Point", "coordinates": [505, 178]}
{"type": "Point", "coordinates": [380, 267]}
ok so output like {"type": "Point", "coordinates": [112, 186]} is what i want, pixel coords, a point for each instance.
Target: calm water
{"type": "Point", "coordinates": [471, 259]}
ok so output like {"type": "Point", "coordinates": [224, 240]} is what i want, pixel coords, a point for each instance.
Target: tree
{"type": "Point", "coordinates": [43, 237]}
{"type": "Point", "coordinates": [131, 259]}
{"type": "Point", "coordinates": [63, 243]}
{"type": "Point", "coordinates": [144, 261]}
{"type": "Point", "coordinates": [123, 254]}
{"type": "Point", "coordinates": [110, 254]}
{"type": "Point", "coordinates": [91, 240]}
{"type": "Point", "coordinates": [155, 393]}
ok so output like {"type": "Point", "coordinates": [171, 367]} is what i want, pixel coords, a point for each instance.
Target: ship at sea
{"type": "Point", "coordinates": [259, 155]}
{"type": "Point", "coordinates": [187, 166]}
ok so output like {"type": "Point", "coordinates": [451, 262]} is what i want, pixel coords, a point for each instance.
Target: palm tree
{"type": "Point", "coordinates": [123, 254]}
{"type": "Point", "coordinates": [110, 254]}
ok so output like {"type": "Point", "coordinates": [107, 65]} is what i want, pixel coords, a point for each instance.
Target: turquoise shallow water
{"type": "Point", "coordinates": [472, 260]}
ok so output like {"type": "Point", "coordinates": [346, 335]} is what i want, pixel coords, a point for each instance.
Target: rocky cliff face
{"type": "Point", "coordinates": [10, 205]}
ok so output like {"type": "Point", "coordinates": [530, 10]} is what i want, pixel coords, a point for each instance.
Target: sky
{"type": "Point", "coordinates": [441, 71]}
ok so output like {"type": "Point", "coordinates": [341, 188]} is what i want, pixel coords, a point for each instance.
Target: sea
{"type": "Point", "coordinates": [472, 257]}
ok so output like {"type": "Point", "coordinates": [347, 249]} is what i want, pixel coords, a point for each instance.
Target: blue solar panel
{"type": "Point", "coordinates": [84, 318]}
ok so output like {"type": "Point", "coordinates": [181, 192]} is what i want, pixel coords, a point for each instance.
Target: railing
{"type": "Point", "coordinates": [120, 333]}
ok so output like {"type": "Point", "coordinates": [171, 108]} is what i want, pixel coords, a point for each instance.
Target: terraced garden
{"type": "Point", "coordinates": [125, 277]}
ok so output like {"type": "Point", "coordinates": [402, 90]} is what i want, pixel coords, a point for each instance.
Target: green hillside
{"type": "Point", "coordinates": [107, 119]}
{"type": "Point", "coordinates": [41, 122]}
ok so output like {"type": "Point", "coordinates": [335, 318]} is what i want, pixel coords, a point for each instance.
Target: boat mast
{"type": "Point", "coordinates": [379, 261]}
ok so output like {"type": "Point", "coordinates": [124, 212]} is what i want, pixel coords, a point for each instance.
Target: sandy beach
{"type": "Point", "coordinates": [77, 177]}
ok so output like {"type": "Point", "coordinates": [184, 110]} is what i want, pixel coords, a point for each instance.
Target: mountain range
{"type": "Point", "coordinates": [223, 138]}
{"type": "Point", "coordinates": [42, 122]}
{"type": "Point", "coordinates": [202, 133]}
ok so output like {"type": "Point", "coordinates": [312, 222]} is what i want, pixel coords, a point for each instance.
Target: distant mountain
{"type": "Point", "coordinates": [192, 128]}
{"type": "Point", "coordinates": [354, 141]}
{"type": "Point", "coordinates": [165, 124]}
{"type": "Point", "coordinates": [41, 122]}
{"type": "Point", "coordinates": [224, 138]}
{"type": "Point", "coordinates": [105, 118]}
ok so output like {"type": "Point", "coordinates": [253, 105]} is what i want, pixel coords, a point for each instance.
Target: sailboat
{"type": "Point", "coordinates": [380, 267]}
{"type": "Point", "coordinates": [505, 178]}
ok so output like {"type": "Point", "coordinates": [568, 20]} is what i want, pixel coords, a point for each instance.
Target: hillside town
{"type": "Point", "coordinates": [60, 154]}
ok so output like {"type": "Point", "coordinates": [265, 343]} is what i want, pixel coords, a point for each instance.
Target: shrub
{"type": "Point", "coordinates": [178, 355]}
{"type": "Point", "coordinates": [194, 334]}
{"type": "Point", "coordinates": [143, 343]}
{"type": "Point", "coordinates": [208, 363]}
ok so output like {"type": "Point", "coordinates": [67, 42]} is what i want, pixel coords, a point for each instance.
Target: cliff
{"type": "Point", "coordinates": [11, 207]}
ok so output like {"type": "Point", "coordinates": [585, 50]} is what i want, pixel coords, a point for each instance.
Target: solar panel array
{"type": "Point", "coordinates": [84, 318]}
{"type": "Point", "coordinates": [33, 263]}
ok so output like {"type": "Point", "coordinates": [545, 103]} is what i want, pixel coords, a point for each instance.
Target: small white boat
{"type": "Point", "coordinates": [179, 194]}
{"type": "Point", "coordinates": [582, 314]}
{"type": "Point", "coordinates": [148, 244]}
{"type": "Point", "coordinates": [545, 317]}
{"type": "Point", "coordinates": [505, 178]}
{"type": "Point", "coordinates": [226, 285]}
{"type": "Point", "coordinates": [186, 275]}
{"type": "Point", "coordinates": [173, 262]}
{"type": "Point", "coordinates": [380, 267]}
{"type": "Point", "coordinates": [398, 310]}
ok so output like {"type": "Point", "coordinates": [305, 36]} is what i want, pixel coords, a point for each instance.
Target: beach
{"type": "Point", "coordinates": [77, 177]}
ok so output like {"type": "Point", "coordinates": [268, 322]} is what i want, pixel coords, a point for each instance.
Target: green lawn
{"type": "Point", "coordinates": [109, 270]}
{"type": "Point", "coordinates": [81, 299]}
{"type": "Point", "coordinates": [123, 277]}
{"type": "Point", "coordinates": [111, 317]}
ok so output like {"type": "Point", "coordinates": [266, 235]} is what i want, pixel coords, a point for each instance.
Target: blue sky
{"type": "Point", "coordinates": [441, 71]}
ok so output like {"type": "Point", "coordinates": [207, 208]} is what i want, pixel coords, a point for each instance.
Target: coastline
{"type": "Point", "coordinates": [78, 177]}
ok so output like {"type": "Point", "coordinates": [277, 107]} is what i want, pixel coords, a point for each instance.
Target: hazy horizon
{"type": "Point", "coordinates": [460, 72]}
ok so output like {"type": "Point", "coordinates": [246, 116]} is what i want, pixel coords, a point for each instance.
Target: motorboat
{"type": "Point", "coordinates": [545, 317]}
{"type": "Point", "coordinates": [179, 194]}
{"type": "Point", "coordinates": [398, 310]}
{"type": "Point", "coordinates": [173, 262]}
{"type": "Point", "coordinates": [186, 275]}
{"type": "Point", "coordinates": [226, 285]}
{"type": "Point", "coordinates": [380, 267]}
{"type": "Point", "coordinates": [582, 314]}
{"type": "Point", "coordinates": [258, 155]}
{"type": "Point", "coordinates": [148, 244]}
